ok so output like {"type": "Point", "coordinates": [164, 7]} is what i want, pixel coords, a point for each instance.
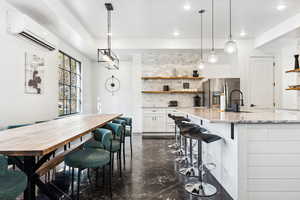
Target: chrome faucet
{"type": "Point", "coordinates": [237, 108]}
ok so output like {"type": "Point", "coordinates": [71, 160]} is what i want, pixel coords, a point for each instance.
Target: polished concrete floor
{"type": "Point", "coordinates": [150, 175]}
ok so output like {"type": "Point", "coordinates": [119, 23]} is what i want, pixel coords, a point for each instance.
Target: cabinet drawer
{"type": "Point", "coordinates": [154, 111]}
{"type": "Point", "coordinates": [170, 127]}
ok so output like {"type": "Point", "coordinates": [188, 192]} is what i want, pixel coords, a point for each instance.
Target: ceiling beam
{"type": "Point", "coordinates": [69, 28]}
{"type": "Point", "coordinates": [160, 43]}
{"type": "Point", "coordinates": [278, 31]}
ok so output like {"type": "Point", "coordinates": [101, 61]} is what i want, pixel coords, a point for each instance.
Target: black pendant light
{"type": "Point", "coordinates": [230, 45]}
{"type": "Point", "coordinates": [201, 64]}
{"type": "Point", "coordinates": [107, 55]}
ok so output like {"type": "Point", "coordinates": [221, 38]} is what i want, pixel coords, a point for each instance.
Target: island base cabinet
{"type": "Point", "coordinates": [272, 169]}
{"type": "Point", "coordinates": [223, 153]}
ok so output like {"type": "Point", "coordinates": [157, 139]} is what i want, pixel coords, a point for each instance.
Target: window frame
{"type": "Point", "coordinates": [67, 102]}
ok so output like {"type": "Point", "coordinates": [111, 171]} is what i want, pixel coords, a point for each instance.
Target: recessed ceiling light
{"type": "Point", "coordinates": [187, 6]}
{"type": "Point", "coordinates": [281, 6]}
{"type": "Point", "coordinates": [243, 33]}
{"type": "Point", "coordinates": [176, 33]}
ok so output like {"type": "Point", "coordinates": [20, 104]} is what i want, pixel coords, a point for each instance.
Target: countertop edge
{"type": "Point", "coordinates": [243, 121]}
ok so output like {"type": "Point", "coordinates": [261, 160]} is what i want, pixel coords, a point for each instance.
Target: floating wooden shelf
{"type": "Point", "coordinates": [172, 78]}
{"type": "Point", "coordinates": [294, 70]}
{"type": "Point", "coordinates": [295, 88]}
{"type": "Point", "coordinates": [172, 92]}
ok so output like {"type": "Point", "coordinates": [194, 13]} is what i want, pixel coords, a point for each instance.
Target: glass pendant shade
{"type": "Point", "coordinates": [230, 47]}
{"type": "Point", "coordinates": [213, 58]}
{"type": "Point", "coordinates": [106, 58]}
{"type": "Point", "coordinates": [201, 65]}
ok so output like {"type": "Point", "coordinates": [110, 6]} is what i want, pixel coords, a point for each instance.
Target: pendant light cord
{"type": "Point", "coordinates": [230, 22]}
{"type": "Point", "coordinates": [109, 30]}
{"type": "Point", "coordinates": [202, 36]}
{"type": "Point", "coordinates": [212, 29]}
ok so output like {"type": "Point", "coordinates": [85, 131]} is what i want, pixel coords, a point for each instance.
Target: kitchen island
{"type": "Point", "coordinates": [259, 156]}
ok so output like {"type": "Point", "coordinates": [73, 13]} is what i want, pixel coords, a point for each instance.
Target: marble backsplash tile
{"type": "Point", "coordinates": [169, 64]}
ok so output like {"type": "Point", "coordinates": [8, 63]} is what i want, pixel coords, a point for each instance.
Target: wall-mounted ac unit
{"type": "Point", "coordinates": [22, 25]}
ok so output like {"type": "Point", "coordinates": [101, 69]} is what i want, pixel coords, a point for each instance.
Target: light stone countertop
{"type": "Point", "coordinates": [166, 107]}
{"type": "Point", "coordinates": [255, 116]}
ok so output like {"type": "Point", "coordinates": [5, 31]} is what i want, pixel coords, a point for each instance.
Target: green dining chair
{"type": "Point", "coordinates": [117, 131]}
{"type": "Point", "coordinates": [89, 158]}
{"type": "Point", "coordinates": [12, 183]}
{"type": "Point", "coordinates": [96, 142]}
{"type": "Point", "coordinates": [128, 130]}
{"type": "Point", "coordinates": [123, 123]}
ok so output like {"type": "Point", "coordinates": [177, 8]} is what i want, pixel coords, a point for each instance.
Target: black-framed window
{"type": "Point", "coordinates": [69, 71]}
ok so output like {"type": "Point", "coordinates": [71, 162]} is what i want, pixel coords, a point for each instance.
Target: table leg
{"type": "Point", "coordinates": [29, 169]}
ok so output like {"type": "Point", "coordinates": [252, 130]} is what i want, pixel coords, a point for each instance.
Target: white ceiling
{"type": "Point", "coordinates": [159, 18]}
{"type": "Point", "coordinates": [82, 23]}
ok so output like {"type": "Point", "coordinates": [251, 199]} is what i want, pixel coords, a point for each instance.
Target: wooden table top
{"type": "Point", "coordinates": [41, 139]}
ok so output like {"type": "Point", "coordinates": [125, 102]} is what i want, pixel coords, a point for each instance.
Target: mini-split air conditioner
{"type": "Point", "coordinates": [21, 25]}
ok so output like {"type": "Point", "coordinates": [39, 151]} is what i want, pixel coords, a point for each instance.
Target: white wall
{"type": "Point", "coordinates": [127, 100]}
{"type": "Point", "coordinates": [18, 107]}
{"type": "Point", "coordinates": [284, 50]}
{"type": "Point", "coordinates": [290, 99]}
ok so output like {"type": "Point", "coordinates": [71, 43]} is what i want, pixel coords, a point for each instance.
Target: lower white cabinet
{"type": "Point", "coordinates": [154, 122]}
{"type": "Point", "coordinates": [157, 120]}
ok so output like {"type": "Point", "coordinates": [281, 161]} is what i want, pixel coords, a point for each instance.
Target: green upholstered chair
{"type": "Point", "coordinates": [123, 123]}
{"type": "Point", "coordinates": [118, 134]}
{"type": "Point", "coordinates": [86, 159]}
{"type": "Point", "coordinates": [93, 144]}
{"type": "Point", "coordinates": [11, 160]}
{"type": "Point", "coordinates": [128, 130]}
{"type": "Point", "coordinates": [96, 142]}
{"type": "Point", "coordinates": [99, 132]}
{"type": "Point", "coordinates": [12, 183]}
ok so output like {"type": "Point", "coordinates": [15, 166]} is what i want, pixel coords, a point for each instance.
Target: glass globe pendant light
{"type": "Point", "coordinates": [213, 58]}
{"type": "Point", "coordinates": [230, 45]}
{"type": "Point", "coordinates": [201, 64]}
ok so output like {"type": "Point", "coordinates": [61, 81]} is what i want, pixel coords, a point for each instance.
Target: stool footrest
{"type": "Point", "coordinates": [201, 189]}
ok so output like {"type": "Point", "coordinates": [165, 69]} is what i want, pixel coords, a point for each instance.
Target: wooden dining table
{"type": "Point", "coordinates": [38, 143]}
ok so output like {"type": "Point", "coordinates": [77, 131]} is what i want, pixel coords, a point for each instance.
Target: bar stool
{"type": "Point", "coordinates": [12, 183]}
{"type": "Point", "coordinates": [201, 188]}
{"type": "Point", "coordinates": [187, 128]}
{"type": "Point", "coordinates": [178, 120]}
{"type": "Point", "coordinates": [176, 144]}
{"type": "Point", "coordinates": [184, 125]}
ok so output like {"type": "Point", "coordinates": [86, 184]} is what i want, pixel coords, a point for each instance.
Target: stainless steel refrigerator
{"type": "Point", "coordinates": [213, 88]}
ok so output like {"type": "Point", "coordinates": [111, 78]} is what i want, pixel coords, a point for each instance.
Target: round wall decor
{"type": "Point", "coordinates": [112, 85]}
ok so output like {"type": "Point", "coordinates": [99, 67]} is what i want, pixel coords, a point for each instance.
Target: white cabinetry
{"type": "Point", "coordinates": [154, 120]}
{"type": "Point", "coordinates": [157, 120]}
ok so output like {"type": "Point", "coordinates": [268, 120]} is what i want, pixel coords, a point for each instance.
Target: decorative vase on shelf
{"type": "Point", "coordinates": [195, 73]}
{"type": "Point", "coordinates": [297, 61]}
